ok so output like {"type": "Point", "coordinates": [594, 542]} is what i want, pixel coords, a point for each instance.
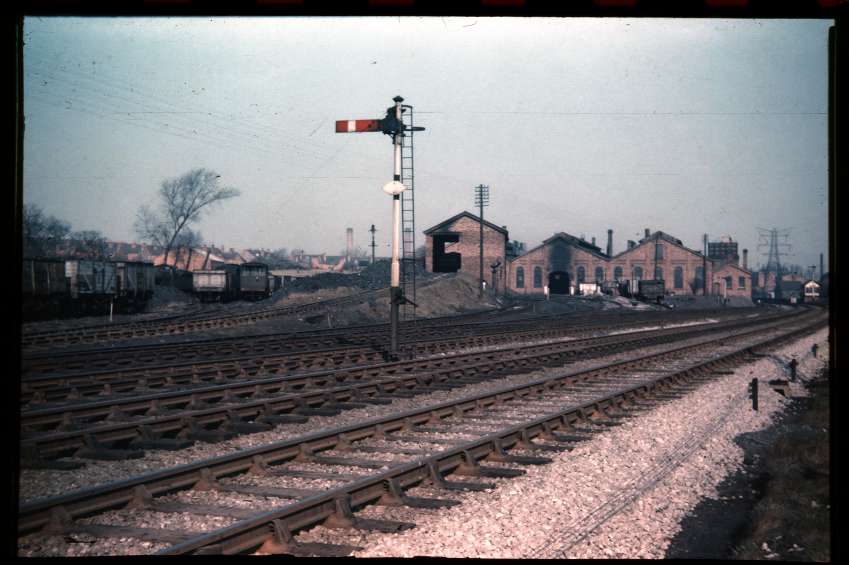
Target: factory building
{"type": "Point", "coordinates": [563, 262]}
{"type": "Point", "coordinates": [661, 256]}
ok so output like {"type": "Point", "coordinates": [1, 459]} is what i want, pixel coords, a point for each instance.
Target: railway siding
{"type": "Point", "coordinates": [192, 475]}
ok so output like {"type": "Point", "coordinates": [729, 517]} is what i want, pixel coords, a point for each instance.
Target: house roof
{"type": "Point", "coordinates": [469, 215]}
{"type": "Point", "coordinates": [720, 265]}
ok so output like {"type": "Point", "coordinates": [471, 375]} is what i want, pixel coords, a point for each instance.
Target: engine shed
{"type": "Point", "coordinates": [454, 246]}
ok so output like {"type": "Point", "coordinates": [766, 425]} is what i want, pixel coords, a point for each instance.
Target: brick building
{"type": "Point", "coordinates": [731, 280]}
{"type": "Point", "coordinates": [563, 261]}
{"type": "Point", "coordinates": [454, 245]}
{"type": "Point", "coordinates": [661, 256]}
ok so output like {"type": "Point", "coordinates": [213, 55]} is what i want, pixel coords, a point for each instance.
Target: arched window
{"type": "Point", "coordinates": [638, 273]}
{"type": "Point", "coordinates": [617, 274]}
{"type": "Point", "coordinates": [520, 277]}
{"type": "Point", "coordinates": [537, 277]}
{"type": "Point", "coordinates": [599, 274]}
{"type": "Point", "coordinates": [700, 277]}
{"type": "Point", "coordinates": [679, 277]}
{"type": "Point", "coordinates": [658, 274]}
{"type": "Point", "coordinates": [582, 275]}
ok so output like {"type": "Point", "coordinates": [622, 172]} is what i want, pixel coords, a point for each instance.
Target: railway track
{"type": "Point", "coordinates": [356, 360]}
{"type": "Point", "coordinates": [188, 322]}
{"type": "Point", "coordinates": [378, 461]}
{"type": "Point", "coordinates": [174, 419]}
{"type": "Point", "coordinates": [373, 335]}
{"type": "Point", "coordinates": [180, 324]}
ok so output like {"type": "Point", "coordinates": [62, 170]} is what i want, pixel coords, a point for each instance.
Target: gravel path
{"type": "Point", "coordinates": [621, 494]}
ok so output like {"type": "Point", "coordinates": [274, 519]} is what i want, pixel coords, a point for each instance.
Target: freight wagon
{"type": "Point", "coordinates": [136, 283]}
{"type": "Point", "coordinates": [44, 288]}
{"type": "Point", "coordinates": [254, 284]}
{"type": "Point", "coordinates": [651, 290]}
{"type": "Point", "coordinates": [60, 287]}
{"type": "Point", "coordinates": [219, 285]}
{"type": "Point", "coordinates": [95, 279]}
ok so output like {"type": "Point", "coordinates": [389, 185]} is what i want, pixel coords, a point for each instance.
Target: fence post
{"type": "Point", "coordinates": [753, 393]}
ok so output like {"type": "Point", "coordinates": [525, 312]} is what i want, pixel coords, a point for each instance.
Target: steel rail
{"type": "Point", "coordinates": [299, 360]}
{"type": "Point", "coordinates": [272, 531]}
{"type": "Point", "coordinates": [37, 514]}
{"type": "Point", "coordinates": [238, 409]}
{"type": "Point", "coordinates": [157, 357]}
{"type": "Point", "coordinates": [281, 366]}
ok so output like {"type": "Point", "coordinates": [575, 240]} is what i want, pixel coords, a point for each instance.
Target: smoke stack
{"type": "Point", "coordinates": [350, 246]}
{"type": "Point", "coordinates": [648, 233]}
{"type": "Point", "coordinates": [746, 259]}
{"type": "Point", "coordinates": [593, 241]}
{"type": "Point", "coordinates": [610, 243]}
{"type": "Point", "coordinates": [821, 266]}
{"type": "Point", "coordinates": [631, 244]}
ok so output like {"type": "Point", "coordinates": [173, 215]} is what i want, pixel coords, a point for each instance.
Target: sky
{"type": "Point", "coordinates": [578, 125]}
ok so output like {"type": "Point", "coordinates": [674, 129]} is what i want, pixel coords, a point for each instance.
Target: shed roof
{"type": "Point", "coordinates": [469, 215]}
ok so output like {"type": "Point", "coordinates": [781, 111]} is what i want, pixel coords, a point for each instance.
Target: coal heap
{"type": "Point", "coordinates": [373, 277]}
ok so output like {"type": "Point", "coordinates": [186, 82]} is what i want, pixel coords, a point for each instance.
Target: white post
{"type": "Point", "coordinates": [110, 310]}
{"type": "Point", "coordinates": [395, 188]}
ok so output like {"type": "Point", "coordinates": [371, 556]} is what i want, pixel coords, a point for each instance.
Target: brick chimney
{"type": "Point", "coordinates": [593, 241]}
{"type": "Point", "coordinates": [610, 243]}
{"type": "Point", "coordinates": [648, 233]}
{"type": "Point", "coordinates": [746, 259]}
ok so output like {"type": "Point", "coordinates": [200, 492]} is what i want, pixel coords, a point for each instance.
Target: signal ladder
{"type": "Point", "coordinates": [408, 215]}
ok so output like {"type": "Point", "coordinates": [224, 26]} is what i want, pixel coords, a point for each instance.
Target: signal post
{"type": "Point", "coordinates": [390, 125]}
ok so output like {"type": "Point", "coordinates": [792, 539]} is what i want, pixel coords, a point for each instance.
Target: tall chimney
{"type": "Point", "coordinates": [350, 247]}
{"type": "Point", "coordinates": [746, 259]}
{"type": "Point", "coordinates": [648, 233]}
{"type": "Point", "coordinates": [610, 243]}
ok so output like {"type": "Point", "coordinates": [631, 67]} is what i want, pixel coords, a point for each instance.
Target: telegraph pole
{"type": "Point", "coordinates": [481, 199]}
{"type": "Point", "coordinates": [704, 268]}
{"type": "Point", "coordinates": [372, 230]}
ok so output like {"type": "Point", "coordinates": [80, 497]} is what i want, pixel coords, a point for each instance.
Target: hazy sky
{"type": "Point", "coordinates": [577, 125]}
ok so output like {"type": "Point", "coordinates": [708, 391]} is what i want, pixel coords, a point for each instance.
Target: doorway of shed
{"type": "Point", "coordinates": [445, 262]}
{"type": "Point", "coordinates": [558, 282]}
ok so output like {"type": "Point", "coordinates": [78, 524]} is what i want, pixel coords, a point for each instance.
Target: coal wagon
{"type": "Point", "coordinates": [254, 283]}
{"type": "Point", "coordinates": [136, 283]}
{"type": "Point", "coordinates": [219, 285]}
{"type": "Point", "coordinates": [651, 290]}
{"type": "Point", "coordinates": [44, 288]}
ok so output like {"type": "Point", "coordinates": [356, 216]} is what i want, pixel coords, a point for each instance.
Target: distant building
{"type": "Point", "coordinates": [563, 262]}
{"type": "Point", "coordinates": [724, 250]}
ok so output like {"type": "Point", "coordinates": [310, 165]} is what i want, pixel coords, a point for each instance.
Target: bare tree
{"type": "Point", "coordinates": [182, 203]}
{"type": "Point", "coordinates": [42, 234]}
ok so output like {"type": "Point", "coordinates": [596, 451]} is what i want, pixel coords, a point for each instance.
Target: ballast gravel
{"type": "Point", "coordinates": [38, 483]}
{"type": "Point", "coordinates": [621, 494]}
